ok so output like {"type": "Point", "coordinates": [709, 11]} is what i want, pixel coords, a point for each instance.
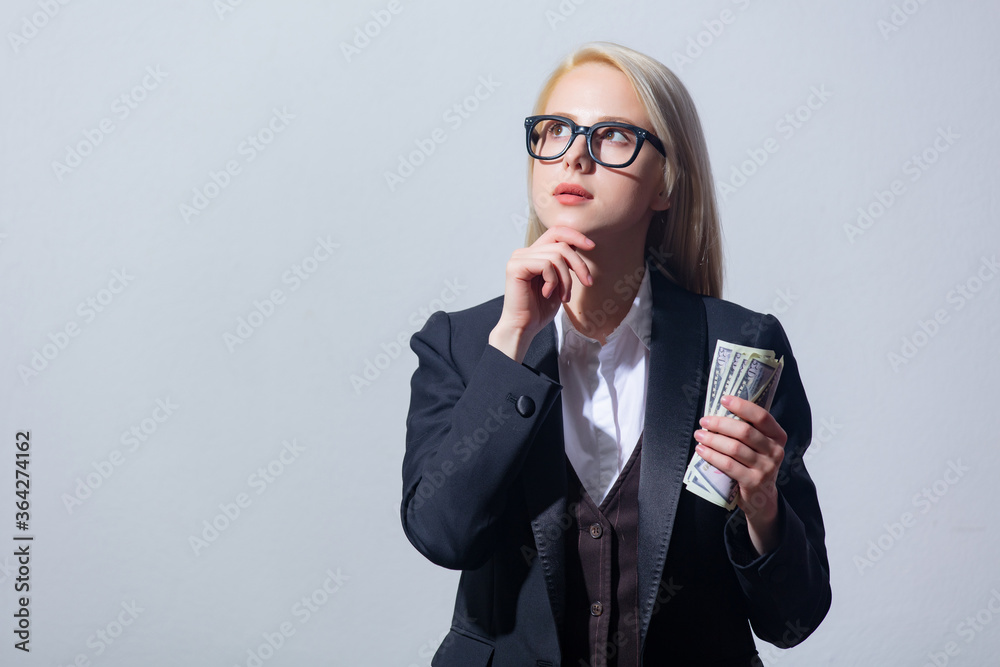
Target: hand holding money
{"type": "Point", "coordinates": [751, 451]}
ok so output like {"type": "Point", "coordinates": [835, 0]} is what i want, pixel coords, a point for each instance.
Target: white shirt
{"type": "Point", "coordinates": [604, 392]}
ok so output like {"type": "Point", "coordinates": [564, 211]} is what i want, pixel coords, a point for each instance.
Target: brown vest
{"type": "Point", "coordinates": [602, 545]}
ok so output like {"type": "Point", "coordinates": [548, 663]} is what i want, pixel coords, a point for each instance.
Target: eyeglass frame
{"type": "Point", "coordinates": [641, 134]}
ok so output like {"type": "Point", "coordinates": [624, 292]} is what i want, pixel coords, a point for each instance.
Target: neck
{"type": "Point", "coordinates": [618, 271]}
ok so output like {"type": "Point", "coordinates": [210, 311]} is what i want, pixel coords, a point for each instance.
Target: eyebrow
{"type": "Point", "coordinates": [602, 119]}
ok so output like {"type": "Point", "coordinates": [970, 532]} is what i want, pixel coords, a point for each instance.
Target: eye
{"type": "Point", "coordinates": [616, 135]}
{"type": "Point", "coordinates": [558, 129]}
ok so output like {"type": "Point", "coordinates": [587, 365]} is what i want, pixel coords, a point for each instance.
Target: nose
{"type": "Point", "coordinates": [577, 155]}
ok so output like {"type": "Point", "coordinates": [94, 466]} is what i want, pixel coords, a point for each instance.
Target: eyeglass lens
{"type": "Point", "coordinates": [613, 145]}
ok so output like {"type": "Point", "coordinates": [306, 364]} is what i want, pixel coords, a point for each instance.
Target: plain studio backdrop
{"type": "Point", "coordinates": [222, 221]}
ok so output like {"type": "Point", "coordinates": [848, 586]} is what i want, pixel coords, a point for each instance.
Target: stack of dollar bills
{"type": "Point", "coordinates": [748, 373]}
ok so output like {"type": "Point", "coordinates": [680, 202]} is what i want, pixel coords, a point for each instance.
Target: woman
{"type": "Point", "coordinates": [549, 429]}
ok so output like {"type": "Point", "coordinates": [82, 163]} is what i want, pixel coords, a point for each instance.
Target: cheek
{"type": "Point", "coordinates": [640, 192]}
{"type": "Point", "coordinates": [541, 185]}
{"type": "Point", "coordinates": [632, 195]}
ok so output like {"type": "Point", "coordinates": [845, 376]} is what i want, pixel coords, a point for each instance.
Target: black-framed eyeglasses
{"type": "Point", "coordinates": [611, 144]}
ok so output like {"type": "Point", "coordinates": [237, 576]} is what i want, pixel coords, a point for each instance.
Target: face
{"type": "Point", "coordinates": [621, 200]}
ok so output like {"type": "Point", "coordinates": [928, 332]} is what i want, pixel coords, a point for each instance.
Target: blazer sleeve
{"type": "Point", "coordinates": [788, 589]}
{"type": "Point", "coordinates": [467, 436]}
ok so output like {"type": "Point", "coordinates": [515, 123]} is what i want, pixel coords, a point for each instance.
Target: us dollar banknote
{"type": "Point", "coordinates": [749, 373]}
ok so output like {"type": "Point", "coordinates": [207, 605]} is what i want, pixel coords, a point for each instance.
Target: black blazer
{"type": "Point", "coordinates": [485, 485]}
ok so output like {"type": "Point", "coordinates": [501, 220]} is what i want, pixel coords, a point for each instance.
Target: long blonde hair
{"type": "Point", "coordinates": [684, 241]}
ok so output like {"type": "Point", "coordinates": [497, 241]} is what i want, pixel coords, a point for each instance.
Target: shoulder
{"type": "Point", "coordinates": [461, 335]}
{"type": "Point", "coordinates": [724, 319]}
{"type": "Point", "coordinates": [469, 322]}
{"type": "Point", "coordinates": [732, 322]}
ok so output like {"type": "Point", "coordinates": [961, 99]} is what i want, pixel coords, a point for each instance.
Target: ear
{"type": "Point", "coordinates": [661, 202]}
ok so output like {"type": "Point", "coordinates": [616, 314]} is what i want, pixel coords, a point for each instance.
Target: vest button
{"type": "Point", "coordinates": [596, 609]}
{"type": "Point", "coordinates": [596, 530]}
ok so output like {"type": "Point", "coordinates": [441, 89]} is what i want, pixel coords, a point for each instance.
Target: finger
{"type": "Point", "coordinates": [576, 263]}
{"type": "Point", "coordinates": [750, 474]}
{"type": "Point", "coordinates": [568, 240]}
{"type": "Point", "coordinates": [721, 445]}
{"type": "Point", "coordinates": [551, 280]}
{"type": "Point", "coordinates": [733, 468]}
{"type": "Point", "coordinates": [557, 261]}
{"type": "Point", "coordinates": [567, 234]}
{"type": "Point", "coordinates": [565, 260]}
{"type": "Point", "coordinates": [547, 265]}
{"type": "Point", "coordinates": [754, 414]}
{"type": "Point", "coordinates": [736, 429]}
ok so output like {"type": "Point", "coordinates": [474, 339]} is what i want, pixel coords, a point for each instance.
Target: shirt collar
{"type": "Point", "coordinates": [639, 319]}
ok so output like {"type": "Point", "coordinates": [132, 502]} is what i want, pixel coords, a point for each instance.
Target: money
{"type": "Point", "coordinates": [749, 373]}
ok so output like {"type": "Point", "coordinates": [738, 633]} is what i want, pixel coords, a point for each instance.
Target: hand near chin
{"type": "Point", "coordinates": [538, 282]}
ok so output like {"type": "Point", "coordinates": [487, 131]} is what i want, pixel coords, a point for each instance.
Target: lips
{"type": "Point", "coordinates": [572, 189]}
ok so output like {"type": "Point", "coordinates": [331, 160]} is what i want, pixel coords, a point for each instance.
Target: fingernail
{"type": "Point", "coordinates": [704, 422]}
{"type": "Point", "coordinates": [726, 400]}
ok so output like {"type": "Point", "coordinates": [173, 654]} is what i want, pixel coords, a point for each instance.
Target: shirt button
{"type": "Point", "coordinates": [596, 530]}
{"type": "Point", "coordinates": [596, 609]}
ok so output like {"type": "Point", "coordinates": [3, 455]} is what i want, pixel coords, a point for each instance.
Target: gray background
{"type": "Point", "coordinates": [907, 573]}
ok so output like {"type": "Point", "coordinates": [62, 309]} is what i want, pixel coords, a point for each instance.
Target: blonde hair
{"type": "Point", "coordinates": [684, 241]}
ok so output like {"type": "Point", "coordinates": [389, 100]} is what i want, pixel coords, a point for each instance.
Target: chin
{"type": "Point", "coordinates": [564, 219]}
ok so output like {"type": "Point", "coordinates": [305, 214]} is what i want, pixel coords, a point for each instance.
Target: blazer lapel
{"type": "Point", "coordinates": [677, 358]}
{"type": "Point", "coordinates": [545, 481]}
